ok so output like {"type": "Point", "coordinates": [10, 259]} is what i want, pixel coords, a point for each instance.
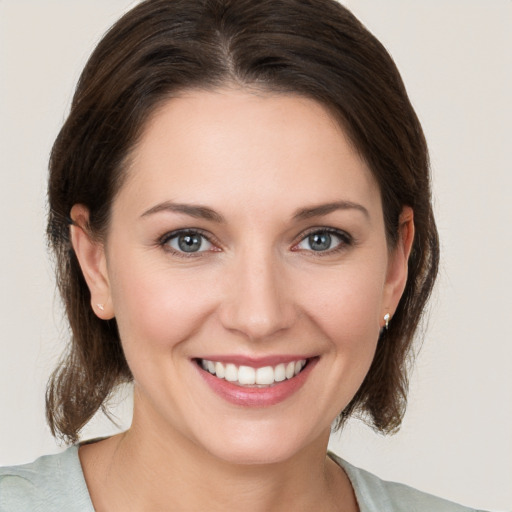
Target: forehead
{"type": "Point", "coordinates": [228, 144]}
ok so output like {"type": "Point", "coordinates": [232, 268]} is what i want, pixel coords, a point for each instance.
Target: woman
{"type": "Point", "coordinates": [240, 210]}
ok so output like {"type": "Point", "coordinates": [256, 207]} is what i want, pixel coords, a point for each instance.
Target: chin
{"type": "Point", "coordinates": [241, 454]}
{"type": "Point", "coordinates": [267, 444]}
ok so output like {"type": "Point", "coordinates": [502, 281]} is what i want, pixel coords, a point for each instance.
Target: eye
{"type": "Point", "coordinates": [324, 240]}
{"type": "Point", "coordinates": [187, 242]}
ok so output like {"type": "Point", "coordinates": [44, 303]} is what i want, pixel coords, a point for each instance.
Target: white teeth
{"type": "Point", "coordinates": [280, 373]}
{"type": "Point", "coordinates": [265, 375]}
{"type": "Point", "coordinates": [290, 370]}
{"type": "Point", "coordinates": [219, 370]}
{"type": "Point", "coordinates": [231, 373]}
{"type": "Point", "coordinates": [248, 376]}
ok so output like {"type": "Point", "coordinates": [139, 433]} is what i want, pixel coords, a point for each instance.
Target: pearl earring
{"type": "Point", "coordinates": [386, 319]}
{"type": "Point", "coordinates": [101, 307]}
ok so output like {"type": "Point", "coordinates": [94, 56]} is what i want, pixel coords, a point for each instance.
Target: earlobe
{"type": "Point", "coordinates": [396, 278]}
{"type": "Point", "coordinates": [91, 257]}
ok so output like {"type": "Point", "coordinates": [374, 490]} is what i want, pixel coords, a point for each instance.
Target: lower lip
{"type": "Point", "coordinates": [257, 397]}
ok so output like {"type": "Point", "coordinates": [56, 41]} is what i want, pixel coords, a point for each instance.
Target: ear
{"type": "Point", "coordinates": [397, 271]}
{"type": "Point", "coordinates": [91, 256]}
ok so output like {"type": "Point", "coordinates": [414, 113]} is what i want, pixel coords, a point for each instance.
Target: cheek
{"type": "Point", "coordinates": [347, 304]}
{"type": "Point", "coordinates": [156, 308]}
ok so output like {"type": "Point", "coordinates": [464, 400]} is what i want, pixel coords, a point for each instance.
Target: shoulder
{"type": "Point", "coordinates": [52, 482]}
{"type": "Point", "coordinates": [376, 495]}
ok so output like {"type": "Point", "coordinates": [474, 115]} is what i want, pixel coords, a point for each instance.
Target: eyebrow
{"type": "Point", "coordinates": [199, 212]}
{"type": "Point", "coordinates": [203, 212]}
{"type": "Point", "coordinates": [325, 209]}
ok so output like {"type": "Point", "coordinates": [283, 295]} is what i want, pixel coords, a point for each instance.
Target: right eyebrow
{"type": "Point", "coordinates": [197, 211]}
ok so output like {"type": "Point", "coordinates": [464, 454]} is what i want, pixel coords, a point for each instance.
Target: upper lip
{"type": "Point", "coordinates": [255, 362]}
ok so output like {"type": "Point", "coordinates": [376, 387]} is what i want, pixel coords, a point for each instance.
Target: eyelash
{"type": "Point", "coordinates": [346, 241]}
{"type": "Point", "coordinates": [165, 239]}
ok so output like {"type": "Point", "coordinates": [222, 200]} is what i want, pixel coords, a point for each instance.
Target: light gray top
{"type": "Point", "coordinates": [56, 483]}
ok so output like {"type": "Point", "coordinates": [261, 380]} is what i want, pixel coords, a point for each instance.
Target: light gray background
{"type": "Point", "coordinates": [455, 57]}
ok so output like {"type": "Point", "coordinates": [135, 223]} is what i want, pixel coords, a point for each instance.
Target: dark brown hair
{"type": "Point", "coordinates": [314, 48]}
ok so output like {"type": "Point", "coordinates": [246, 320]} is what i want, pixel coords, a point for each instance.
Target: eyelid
{"type": "Point", "coordinates": [163, 241]}
{"type": "Point", "coordinates": [346, 240]}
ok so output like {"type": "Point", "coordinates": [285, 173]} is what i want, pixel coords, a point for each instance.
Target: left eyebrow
{"type": "Point", "coordinates": [325, 209]}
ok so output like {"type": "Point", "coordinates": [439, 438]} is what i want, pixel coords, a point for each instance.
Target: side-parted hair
{"type": "Point", "coordinates": [313, 48]}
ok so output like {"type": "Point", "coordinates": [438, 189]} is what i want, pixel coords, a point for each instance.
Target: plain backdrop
{"type": "Point", "coordinates": [455, 58]}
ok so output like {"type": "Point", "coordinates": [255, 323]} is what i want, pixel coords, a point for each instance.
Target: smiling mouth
{"type": "Point", "coordinates": [247, 376]}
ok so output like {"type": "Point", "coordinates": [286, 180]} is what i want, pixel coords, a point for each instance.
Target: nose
{"type": "Point", "coordinates": [259, 298]}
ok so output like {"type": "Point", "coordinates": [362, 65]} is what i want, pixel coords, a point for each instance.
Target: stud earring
{"type": "Point", "coordinates": [101, 307]}
{"type": "Point", "coordinates": [386, 319]}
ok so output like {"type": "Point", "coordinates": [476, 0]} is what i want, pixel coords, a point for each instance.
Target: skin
{"type": "Point", "coordinates": [257, 289]}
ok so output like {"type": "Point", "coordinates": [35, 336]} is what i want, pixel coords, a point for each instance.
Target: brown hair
{"type": "Point", "coordinates": [315, 48]}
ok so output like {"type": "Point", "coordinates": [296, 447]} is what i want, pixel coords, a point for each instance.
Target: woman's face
{"type": "Point", "coordinates": [248, 239]}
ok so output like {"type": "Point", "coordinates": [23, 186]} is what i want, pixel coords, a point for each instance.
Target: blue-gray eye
{"type": "Point", "coordinates": [189, 242]}
{"type": "Point", "coordinates": [321, 241]}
